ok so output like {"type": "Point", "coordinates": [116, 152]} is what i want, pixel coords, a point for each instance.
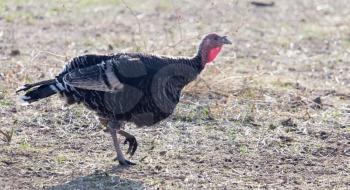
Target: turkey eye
{"type": "Point", "coordinates": [216, 38]}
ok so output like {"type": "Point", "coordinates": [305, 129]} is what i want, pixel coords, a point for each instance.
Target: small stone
{"type": "Point", "coordinates": [288, 122]}
{"type": "Point", "coordinates": [110, 47]}
{"type": "Point", "coordinates": [323, 135]}
{"type": "Point", "coordinates": [158, 168]}
{"type": "Point", "coordinates": [272, 127]}
{"type": "Point", "coordinates": [318, 100]}
{"type": "Point", "coordinates": [15, 52]}
{"type": "Point", "coordinates": [317, 103]}
{"type": "Point", "coordinates": [13, 110]}
{"type": "Point", "coordinates": [285, 139]}
{"type": "Point", "coordinates": [228, 160]}
{"type": "Point", "coordinates": [162, 153]}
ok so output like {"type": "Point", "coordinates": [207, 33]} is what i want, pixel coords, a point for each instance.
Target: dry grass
{"type": "Point", "coordinates": [250, 121]}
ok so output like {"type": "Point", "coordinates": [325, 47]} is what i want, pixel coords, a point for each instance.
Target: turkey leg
{"type": "Point", "coordinates": [114, 127]}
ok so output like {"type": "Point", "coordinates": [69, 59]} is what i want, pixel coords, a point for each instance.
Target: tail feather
{"type": "Point", "coordinates": [29, 86]}
{"type": "Point", "coordinates": [41, 90]}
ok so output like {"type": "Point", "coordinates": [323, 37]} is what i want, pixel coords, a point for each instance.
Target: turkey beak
{"type": "Point", "coordinates": [224, 40]}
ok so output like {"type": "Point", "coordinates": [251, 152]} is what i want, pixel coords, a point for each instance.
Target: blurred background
{"type": "Point", "coordinates": [272, 111]}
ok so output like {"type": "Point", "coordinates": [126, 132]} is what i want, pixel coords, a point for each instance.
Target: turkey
{"type": "Point", "coordinates": [127, 87]}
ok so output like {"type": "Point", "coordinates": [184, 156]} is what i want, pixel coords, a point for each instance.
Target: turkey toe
{"type": "Point", "coordinates": [132, 145]}
{"type": "Point", "coordinates": [125, 163]}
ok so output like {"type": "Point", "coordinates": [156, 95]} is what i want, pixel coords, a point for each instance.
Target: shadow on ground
{"type": "Point", "coordinates": [99, 180]}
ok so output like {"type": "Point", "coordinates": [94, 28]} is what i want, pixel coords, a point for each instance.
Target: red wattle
{"type": "Point", "coordinates": [213, 53]}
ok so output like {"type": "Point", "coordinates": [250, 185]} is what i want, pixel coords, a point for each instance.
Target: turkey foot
{"type": "Point", "coordinates": [131, 140]}
{"type": "Point", "coordinates": [124, 162]}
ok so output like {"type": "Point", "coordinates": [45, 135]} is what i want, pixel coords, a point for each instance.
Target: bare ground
{"type": "Point", "coordinates": [250, 121]}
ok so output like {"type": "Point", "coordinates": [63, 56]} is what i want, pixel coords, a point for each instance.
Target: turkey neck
{"type": "Point", "coordinates": [175, 76]}
{"type": "Point", "coordinates": [189, 69]}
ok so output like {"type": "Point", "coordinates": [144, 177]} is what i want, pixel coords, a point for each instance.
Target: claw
{"type": "Point", "coordinates": [132, 145]}
{"type": "Point", "coordinates": [134, 149]}
{"type": "Point", "coordinates": [124, 162]}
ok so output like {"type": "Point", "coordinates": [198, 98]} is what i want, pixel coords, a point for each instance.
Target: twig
{"type": "Point", "coordinates": [263, 4]}
{"type": "Point", "coordinates": [178, 17]}
{"type": "Point", "coordinates": [137, 21]}
{"type": "Point", "coordinates": [7, 136]}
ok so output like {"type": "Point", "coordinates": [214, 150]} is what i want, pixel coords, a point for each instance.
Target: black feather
{"type": "Point", "coordinates": [38, 93]}
{"type": "Point", "coordinates": [151, 85]}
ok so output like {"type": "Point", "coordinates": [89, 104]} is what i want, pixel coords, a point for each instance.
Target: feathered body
{"type": "Point", "coordinates": [151, 85]}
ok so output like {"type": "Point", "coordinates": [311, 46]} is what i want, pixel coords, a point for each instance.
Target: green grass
{"type": "Point", "coordinates": [243, 149]}
{"type": "Point", "coordinates": [61, 159]}
{"type": "Point", "coordinates": [232, 134]}
{"type": "Point", "coordinates": [24, 144]}
{"type": "Point", "coordinates": [314, 31]}
{"type": "Point", "coordinates": [6, 102]}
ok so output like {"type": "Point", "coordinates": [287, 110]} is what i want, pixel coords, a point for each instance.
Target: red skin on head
{"type": "Point", "coordinates": [209, 48]}
{"type": "Point", "coordinates": [213, 52]}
